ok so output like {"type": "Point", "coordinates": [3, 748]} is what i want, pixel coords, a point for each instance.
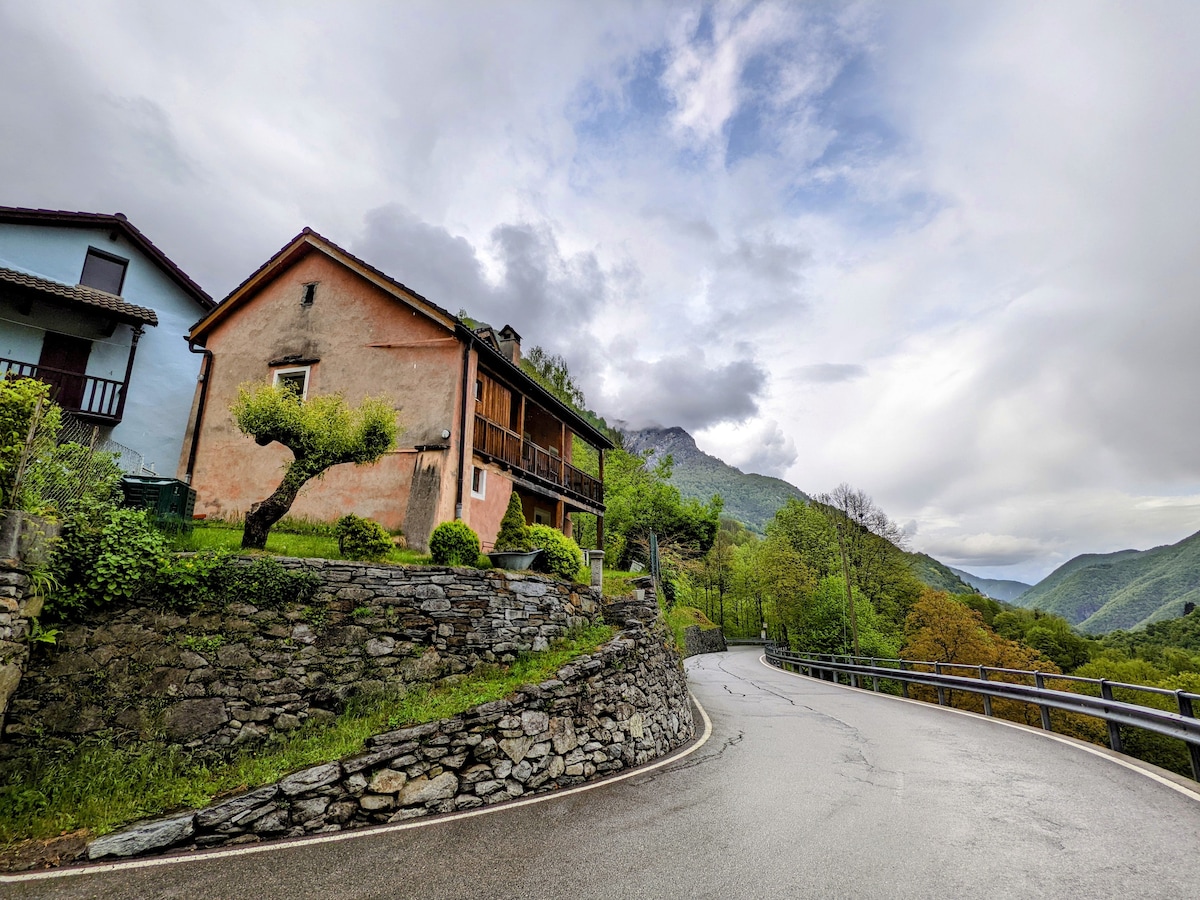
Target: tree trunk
{"type": "Point", "coordinates": [263, 515]}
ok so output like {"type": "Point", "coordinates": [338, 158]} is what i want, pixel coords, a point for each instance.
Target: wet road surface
{"type": "Point", "coordinates": [804, 790]}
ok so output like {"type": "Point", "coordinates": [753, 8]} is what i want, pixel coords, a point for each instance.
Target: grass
{"type": "Point", "coordinates": [680, 618]}
{"type": "Point", "coordinates": [618, 584]}
{"type": "Point", "coordinates": [301, 539]}
{"type": "Point", "coordinates": [98, 786]}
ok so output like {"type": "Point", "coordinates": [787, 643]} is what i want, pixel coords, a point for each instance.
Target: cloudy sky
{"type": "Point", "coordinates": [944, 252]}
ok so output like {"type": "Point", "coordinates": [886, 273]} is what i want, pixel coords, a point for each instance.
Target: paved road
{"type": "Point", "coordinates": [804, 790]}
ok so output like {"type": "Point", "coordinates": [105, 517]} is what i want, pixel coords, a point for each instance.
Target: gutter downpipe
{"type": "Point", "coordinates": [205, 374]}
{"type": "Point", "coordinates": [462, 430]}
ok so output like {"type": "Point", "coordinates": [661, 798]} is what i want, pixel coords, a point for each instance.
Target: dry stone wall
{"type": "Point", "coordinates": [621, 706]}
{"type": "Point", "coordinates": [24, 543]}
{"type": "Point", "coordinates": [216, 677]}
{"type": "Point", "coordinates": [699, 640]}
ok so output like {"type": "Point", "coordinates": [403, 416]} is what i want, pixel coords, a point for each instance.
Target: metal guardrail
{"type": "Point", "coordinates": [1182, 725]}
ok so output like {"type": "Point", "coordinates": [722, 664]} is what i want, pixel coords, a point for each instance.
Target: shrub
{"type": "Point", "coordinates": [454, 544]}
{"type": "Point", "coordinates": [19, 401]}
{"type": "Point", "coordinates": [191, 579]}
{"type": "Point", "coordinates": [514, 533]}
{"type": "Point", "coordinates": [106, 554]}
{"type": "Point", "coordinates": [265, 583]}
{"type": "Point", "coordinates": [561, 556]}
{"type": "Point", "coordinates": [360, 538]}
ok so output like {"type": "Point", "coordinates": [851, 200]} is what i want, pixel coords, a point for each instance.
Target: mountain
{"type": "Point", "coordinates": [996, 588]}
{"type": "Point", "coordinates": [749, 498]}
{"type": "Point", "coordinates": [1099, 592]}
{"type": "Point", "coordinates": [938, 576]}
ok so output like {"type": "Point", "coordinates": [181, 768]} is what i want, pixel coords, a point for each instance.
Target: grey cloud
{"type": "Point", "coordinates": [830, 373]}
{"type": "Point", "coordinates": [771, 451]}
{"type": "Point", "coordinates": [682, 390]}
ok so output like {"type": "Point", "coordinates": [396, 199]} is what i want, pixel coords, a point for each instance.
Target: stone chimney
{"type": "Point", "coordinates": [510, 344]}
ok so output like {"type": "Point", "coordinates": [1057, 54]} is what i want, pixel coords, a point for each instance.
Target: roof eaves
{"type": "Point", "coordinates": [68, 218]}
{"type": "Point", "coordinates": [80, 294]}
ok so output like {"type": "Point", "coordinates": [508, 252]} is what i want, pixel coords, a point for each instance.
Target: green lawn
{"type": "Point", "coordinates": [301, 539]}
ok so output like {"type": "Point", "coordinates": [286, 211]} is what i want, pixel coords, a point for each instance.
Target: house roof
{"type": "Point", "coordinates": [118, 222]}
{"type": "Point", "coordinates": [80, 295]}
{"type": "Point", "coordinates": [305, 242]}
{"type": "Point", "coordinates": [309, 240]}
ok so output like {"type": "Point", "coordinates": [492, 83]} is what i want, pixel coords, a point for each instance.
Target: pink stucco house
{"type": "Point", "coordinates": [476, 426]}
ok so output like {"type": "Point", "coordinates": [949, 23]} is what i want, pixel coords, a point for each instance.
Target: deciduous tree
{"type": "Point", "coordinates": [321, 432]}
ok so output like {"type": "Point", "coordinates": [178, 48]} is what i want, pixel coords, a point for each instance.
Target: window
{"type": "Point", "coordinates": [542, 516]}
{"type": "Point", "coordinates": [310, 294]}
{"type": "Point", "coordinates": [478, 483]}
{"type": "Point", "coordinates": [478, 388]}
{"type": "Point", "coordinates": [294, 379]}
{"type": "Point", "coordinates": [103, 271]}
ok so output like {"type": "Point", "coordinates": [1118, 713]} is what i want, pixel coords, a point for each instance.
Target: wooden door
{"type": "Point", "coordinates": [63, 365]}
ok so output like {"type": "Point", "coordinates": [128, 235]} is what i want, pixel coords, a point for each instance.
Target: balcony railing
{"type": "Point", "coordinates": [98, 399]}
{"type": "Point", "coordinates": [507, 446]}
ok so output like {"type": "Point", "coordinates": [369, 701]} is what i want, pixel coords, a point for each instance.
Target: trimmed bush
{"type": "Point", "coordinates": [454, 544]}
{"type": "Point", "coordinates": [561, 556]}
{"type": "Point", "coordinates": [514, 533]}
{"type": "Point", "coordinates": [360, 538]}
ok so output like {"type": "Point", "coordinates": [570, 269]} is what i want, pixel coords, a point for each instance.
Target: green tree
{"type": "Point", "coordinates": [321, 432]}
{"type": "Point", "coordinates": [641, 500]}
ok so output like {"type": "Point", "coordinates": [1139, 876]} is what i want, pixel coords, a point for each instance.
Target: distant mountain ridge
{"type": "Point", "coordinates": [751, 499]}
{"type": "Point", "coordinates": [996, 588]}
{"type": "Point", "coordinates": [1099, 592]}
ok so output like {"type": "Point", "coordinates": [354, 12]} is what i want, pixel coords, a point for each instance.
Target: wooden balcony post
{"type": "Point", "coordinates": [137, 334]}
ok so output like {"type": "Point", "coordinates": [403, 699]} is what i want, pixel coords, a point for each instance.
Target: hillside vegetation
{"type": "Point", "coordinates": [996, 588]}
{"type": "Point", "coordinates": [937, 575]}
{"type": "Point", "coordinates": [749, 498]}
{"type": "Point", "coordinates": [1127, 589]}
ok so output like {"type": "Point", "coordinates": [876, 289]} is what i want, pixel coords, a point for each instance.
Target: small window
{"type": "Point", "coordinates": [541, 517]}
{"type": "Point", "coordinates": [103, 271]}
{"type": "Point", "coordinates": [310, 294]}
{"type": "Point", "coordinates": [478, 483]}
{"type": "Point", "coordinates": [294, 380]}
{"type": "Point", "coordinates": [478, 388]}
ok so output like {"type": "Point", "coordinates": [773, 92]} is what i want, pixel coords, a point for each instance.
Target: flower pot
{"type": "Point", "coordinates": [513, 559]}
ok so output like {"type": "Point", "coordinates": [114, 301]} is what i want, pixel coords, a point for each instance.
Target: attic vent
{"type": "Point", "coordinates": [310, 294]}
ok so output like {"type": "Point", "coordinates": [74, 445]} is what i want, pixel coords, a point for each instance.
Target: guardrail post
{"type": "Point", "coordinates": [851, 676]}
{"type": "Point", "coordinates": [1185, 709]}
{"type": "Point", "coordinates": [874, 678]}
{"type": "Point", "coordinates": [1114, 730]}
{"type": "Point", "coordinates": [987, 699]}
{"type": "Point", "coordinates": [1039, 681]}
{"type": "Point", "coordinates": [941, 691]}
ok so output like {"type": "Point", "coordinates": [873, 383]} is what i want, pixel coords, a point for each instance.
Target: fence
{"type": "Point", "coordinates": [56, 467]}
{"type": "Point", "coordinates": [987, 681]}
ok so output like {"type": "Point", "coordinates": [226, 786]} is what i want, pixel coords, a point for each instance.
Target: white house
{"type": "Point", "coordinates": [89, 305]}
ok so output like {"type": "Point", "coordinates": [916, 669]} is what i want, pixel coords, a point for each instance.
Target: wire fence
{"type": "Point", "coordinates": [59, 465]}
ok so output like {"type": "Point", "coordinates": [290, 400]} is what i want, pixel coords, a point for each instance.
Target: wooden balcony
{"type": "Point", "coordinates": [498, 443]}
{"type": "Point", "coordinates": [99, 400]}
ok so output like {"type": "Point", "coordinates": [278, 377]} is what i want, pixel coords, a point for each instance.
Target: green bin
{"type": "Point", "coordinates": [168, 498]}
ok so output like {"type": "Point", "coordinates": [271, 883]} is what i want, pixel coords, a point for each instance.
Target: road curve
{"type": "Point", "coordinates": [805, 790]}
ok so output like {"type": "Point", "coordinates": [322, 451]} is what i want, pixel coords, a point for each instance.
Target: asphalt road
{"type": "Point", "coordinates": [804, 790]}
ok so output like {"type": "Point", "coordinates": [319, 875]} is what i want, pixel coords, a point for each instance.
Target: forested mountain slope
{"type": "Point", "coordinates": [937, 575]}
{"type": "Point", "coordinates": [749, 498]}
{"type": "Point", "coordinates": [1127, 589]}
{"type": "Point", "coordinates": [996, 588]}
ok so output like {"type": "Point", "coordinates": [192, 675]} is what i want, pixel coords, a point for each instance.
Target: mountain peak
{"type": "Point", "coordinates": [751, 499]}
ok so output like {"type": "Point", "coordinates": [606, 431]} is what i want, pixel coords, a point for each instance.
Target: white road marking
{"type": "Point", "coordinates": [366, 832]}
{"type": "Point", "coordinates": [1128, 762]}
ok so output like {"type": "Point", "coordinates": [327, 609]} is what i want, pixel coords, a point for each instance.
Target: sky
{"type": "Point", "coordinates": [944, 252]}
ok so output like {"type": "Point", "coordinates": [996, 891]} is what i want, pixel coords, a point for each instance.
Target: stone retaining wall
{"type": "Point", "coordinates": [622, 706]}
{"type": "Point", "coordinates": [24, 543]}
{"type": "Point", "coordinates": [703, 640]}
{"type": "Point", "coordinates": [216, 677]}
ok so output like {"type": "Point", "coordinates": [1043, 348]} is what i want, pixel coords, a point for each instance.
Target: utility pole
{"type": "Point", "coordinates": [841, 533]}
